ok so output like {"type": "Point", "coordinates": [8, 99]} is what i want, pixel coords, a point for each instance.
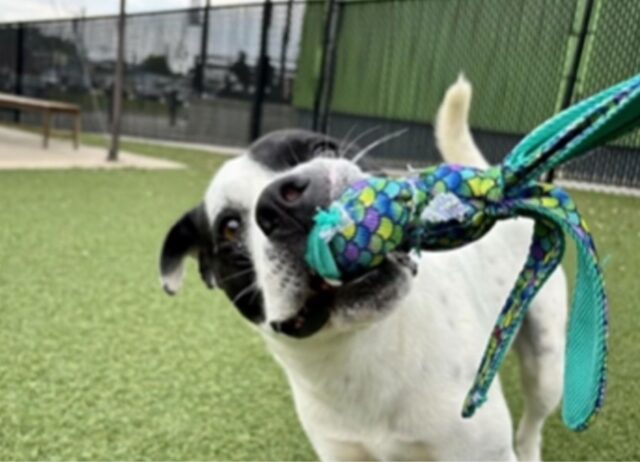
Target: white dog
{"type": "Point", "coordinates": [379, 367]}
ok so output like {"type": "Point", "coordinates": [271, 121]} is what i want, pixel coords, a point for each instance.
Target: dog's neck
{"type": "Point", "coordinates": [321, 363]}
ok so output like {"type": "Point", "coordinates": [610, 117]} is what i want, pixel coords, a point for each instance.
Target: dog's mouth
{"type": "Point", "coordinates": [368, 290]}
{"type": "Point", "coordinates": [314, 313]}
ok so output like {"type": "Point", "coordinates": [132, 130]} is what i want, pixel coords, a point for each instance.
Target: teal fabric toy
{"type": "Point", "coordinates": [448, 206]}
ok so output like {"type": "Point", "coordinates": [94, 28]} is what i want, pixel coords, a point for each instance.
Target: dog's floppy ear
{"type": "Point", "coordinates": [189, 236]}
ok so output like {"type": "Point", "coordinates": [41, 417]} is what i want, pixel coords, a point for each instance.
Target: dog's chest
{"type": "Point", "coordinates": [375, 414]}
{"type": "Point", "coordinates": [368, 395]}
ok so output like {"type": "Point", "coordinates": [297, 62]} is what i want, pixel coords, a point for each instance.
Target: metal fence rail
{"type": "Point", "coordinates": [189, 75]}
{"type": "Point", "coordinates": [226, 75]}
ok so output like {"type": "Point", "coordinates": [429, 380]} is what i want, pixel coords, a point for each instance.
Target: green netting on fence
{"type": "Point", "coordinates": [612, 52]}
{"type": "Point", "coordinates": [395, 59]}
{"type": "Point", "coordinates": [310, 57]}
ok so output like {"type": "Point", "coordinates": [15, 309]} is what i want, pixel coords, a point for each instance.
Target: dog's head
{"type": "Point", "coordinates": [249, 237]}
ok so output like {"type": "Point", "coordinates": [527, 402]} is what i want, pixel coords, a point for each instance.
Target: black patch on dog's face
{"type": "Point", "coordinates": [222, 262]}
{"type": "Point", "coordinates": [284, 149]}
{"type": "Point", "coordinates": [232, 267]}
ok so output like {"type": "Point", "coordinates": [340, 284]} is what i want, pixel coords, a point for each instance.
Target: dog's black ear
{"type": "Point", "coordinates": [189, 236]}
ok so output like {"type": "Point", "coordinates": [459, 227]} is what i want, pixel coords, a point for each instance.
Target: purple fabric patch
{"type": "Point", "coordinates": [351, 252]}
{"type": "Point", "coordinates": [371, 220]}
{"type": "Point", "coordinates": [359, 185]}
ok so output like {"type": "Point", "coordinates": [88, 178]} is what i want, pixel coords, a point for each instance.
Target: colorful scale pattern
{"type": "Point", "coordinates": [380, 215]}
{"type": "Point", "coordinates": [385, 214]}
{"type": "Point", "coordinates": [480, 192]}
{"type": "Point", "coordinates": [544, 256]}
{"type": "Point", "coordinates": [449, 206]}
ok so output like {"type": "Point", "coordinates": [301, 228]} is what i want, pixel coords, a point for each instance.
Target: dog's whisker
{"type": "Point", "coordinates": [253, 295]}
{"type": "Point", "coordinates": [345, 139]}
{"type": "Point", "coordinates": [245, 291]}
{"type": "Point", "coordinates": [361, 135]}
{"type": "Point", "coordinates": [377, 143]}
{"type": "Point", "coordinates": [237, 274]}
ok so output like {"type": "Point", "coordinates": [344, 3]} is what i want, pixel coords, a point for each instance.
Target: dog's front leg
{"type": "Point", "coordinates": [329, 449]}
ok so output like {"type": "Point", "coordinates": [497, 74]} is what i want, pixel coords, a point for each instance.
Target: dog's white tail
{"type": "Point", "coordinates": [453, 136]}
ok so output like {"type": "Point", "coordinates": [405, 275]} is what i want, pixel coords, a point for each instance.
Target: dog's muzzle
{"type": "Point", "coordinates": [286, 208]}
{"type": "Point", "coordinates": [309, 319]}
{"type": "Point", "coordinates": [285, 212]}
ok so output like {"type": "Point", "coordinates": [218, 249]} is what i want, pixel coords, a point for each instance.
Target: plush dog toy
{"type": "Point", "coordinates": [448, 206]}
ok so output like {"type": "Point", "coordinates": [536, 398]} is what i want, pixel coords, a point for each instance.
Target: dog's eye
{"type": "Point", "coordinates": [326, 149]}
{"type": "Point", "coordinates": [230, 228]}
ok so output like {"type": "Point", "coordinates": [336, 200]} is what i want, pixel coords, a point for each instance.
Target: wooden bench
{"type": "Point", "coordinates": [48, 109]}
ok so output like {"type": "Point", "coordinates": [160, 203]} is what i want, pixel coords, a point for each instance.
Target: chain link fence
{"type": "Point", "coordinates": [190, 75]}
{"type": "Point", "coordinates": [357, 69]}
{"type": "Point", "coordinates": [527, 59]}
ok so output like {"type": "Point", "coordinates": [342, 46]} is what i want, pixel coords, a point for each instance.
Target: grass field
{"type": "Point", "coordinates": [97, 363]}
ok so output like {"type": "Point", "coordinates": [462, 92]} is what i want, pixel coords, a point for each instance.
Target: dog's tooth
{"type": "Point", "coordinates": [331, 284]}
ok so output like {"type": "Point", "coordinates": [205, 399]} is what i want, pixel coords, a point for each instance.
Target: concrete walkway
{"type": "Point", "coordinates": [208, 148]}
{"type": "Point", "coordinates": [20, 150]}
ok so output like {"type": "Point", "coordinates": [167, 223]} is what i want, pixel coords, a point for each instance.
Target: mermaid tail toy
{"type": "Point", "coordinates": [448, 206]}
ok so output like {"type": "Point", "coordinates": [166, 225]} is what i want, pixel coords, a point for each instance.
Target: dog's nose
{"type": "Point", "coordinates": [287, 206]}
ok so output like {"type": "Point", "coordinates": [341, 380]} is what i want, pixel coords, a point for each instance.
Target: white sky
{"type": "Point", "coordinates": [174, 37]}
{"type": "Point", "coordinates": [24, 10]}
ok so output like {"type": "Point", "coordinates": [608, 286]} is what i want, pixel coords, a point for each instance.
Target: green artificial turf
{"type": "Point", "coordinates": [97, 363]}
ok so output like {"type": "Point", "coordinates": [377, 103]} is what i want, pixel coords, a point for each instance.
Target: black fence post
{"type": "Point", "coordinates": [118, 85]}
{"type": "Point", "coordinates": [284, 46]}
{"type": "Point", "coordinates": [320, 104]}
{"type": "Point", "coordinates": [574, 70]}
{"type": "Point", "coordinates": [200, 74]}
{"type": "Point", "coordinates": [255, 124]}
{"type": "Point", "coordinates": [18, 88]}
{"type": "Point", "coordinates": [334, 34]}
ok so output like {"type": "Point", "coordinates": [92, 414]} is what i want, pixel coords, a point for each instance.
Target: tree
{"type": "Point", "coordinates": [157, 64]}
